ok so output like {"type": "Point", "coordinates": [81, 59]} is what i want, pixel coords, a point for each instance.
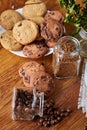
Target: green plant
{"type": "Point", "coordinates": [76, 14]}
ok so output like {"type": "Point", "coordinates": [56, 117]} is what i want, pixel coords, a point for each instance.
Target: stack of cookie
{"type": "Point", "coordinates": [33, 32]}
{"type": "Point", "coordinates": [35, 76]}
{"type": "Point", "coordinates": [52, 28]}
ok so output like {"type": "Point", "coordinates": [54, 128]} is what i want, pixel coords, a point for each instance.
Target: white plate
{"type": "Point", "coordinates": [20, 53]}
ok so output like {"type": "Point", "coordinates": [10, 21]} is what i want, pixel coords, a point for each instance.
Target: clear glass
{"type": "Point", "coordinates": [26, 105]}
{"type": "Point", "coordinates": [66, 59]}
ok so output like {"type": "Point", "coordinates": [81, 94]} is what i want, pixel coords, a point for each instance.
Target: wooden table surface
{"type": "Point", "coordinates": [65, 93]}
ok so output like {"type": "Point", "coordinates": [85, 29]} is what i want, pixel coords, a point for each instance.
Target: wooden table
{"type": "Point", "coordinates": [65, 93]}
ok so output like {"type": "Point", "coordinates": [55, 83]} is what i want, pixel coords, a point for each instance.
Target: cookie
{"type": "Point", "coordinates": [8, 18]}
{"type": "Point", "coordinates": [32, 2]}
{"type": "Point", "coordinates": [51, 30]}
{"type": "Point", "coordinates": [38, 20]}
{"type": "Point", "coordinates": [30, 67]}
{"type": "Point", "coordinates": [35, 50]}
{"type": "Point", "coordinates": [9, 42]}
{"type": "Point", "coordinates": [25, 31]}
{"type": "Point", "coordinates": [42, 81]}
{"type": "Point", "coordinates": [56, 15]}
{"type": "Point", "coordinates": [34, 10]}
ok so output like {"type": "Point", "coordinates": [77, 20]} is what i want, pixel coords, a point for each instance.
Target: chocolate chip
{"type": "Point", "coordinates": [1, 37]}
{"type": "Point", "coordinates": [57, 28]}
{"type": "Point", "coordinates": [19, 24]}
{"type": "Point", "coordinates": [52, 13]}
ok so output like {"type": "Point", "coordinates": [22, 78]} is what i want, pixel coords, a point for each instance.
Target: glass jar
{"type": "Point", "coordinates": [26, 105]}
{"type": "Point", "coordinates": [66, 58]}
{"type": "Point", "coordinates": [82, 37]}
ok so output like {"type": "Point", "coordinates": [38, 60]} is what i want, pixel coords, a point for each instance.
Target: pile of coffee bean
{"type": "Point", "coordinates": [52, 115]}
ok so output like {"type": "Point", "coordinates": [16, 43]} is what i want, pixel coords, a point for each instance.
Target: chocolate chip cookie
{"type": "Point", "coordinates": [51, 30]}
{"type": "Point", "coordinates": [25, 31]}
{"type": "Point", "coordinates": [30, 67]}
{"type": "Point", "coordinates": [34, 9]}
{"type": "Point", "coordinates": [35, 50]}
{"type": "Point", "coordinates": [56, 15]}
{"type": "Point", "coordinates": [41, 80]}
{"type": "Point", "coordinates": [8, 18]}
{"type": "Point", "coordinates": [9, 42]}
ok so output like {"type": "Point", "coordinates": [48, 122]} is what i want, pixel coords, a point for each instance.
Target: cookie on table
{"type": "Point", "coordinates": [9, 42]}
{"type": "Point", "coordinates": [41, 80]}
{"type": "Point", "coordinates": [34, 9]}
{"type": "Point", "coordinates": [8, 18]}
{"type": "Point", "coordinates": [56, 15]}
{"type": "Point", "coordinates": [30, 67]}
{"type": "Point", "coordinates": [25, 31]}
{"type": "Point", "coordinates": [35, 50]}
{"type": "Point", "coordinates": [51, 30]}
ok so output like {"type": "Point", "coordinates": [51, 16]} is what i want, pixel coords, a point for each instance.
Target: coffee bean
{"type": "Point", "coordinates": [62, 114]}
{"type": "Point", "coordinates": [41, 120]}
{"type": "Point", "coordinates": [66, 114]}
{"type": "Point", "coordinates": [19, 99]}
{"type": "Point", "coordinates": [58, 113]}
{"type": "Point", "coordinates": [27, 102]}
{"type": "Point", "coordinates": [51, 113]}
{"type": "Point", "coordinates": [55, 121]}
{"type": "Point", "coordinates": [19, 108]}
{"type": "Point", "coordinates": [52, 122]}
{"type": "Point", "coordinates": [62, 110]}
{"type": "Point", "coordinates": [46, 118]}
{"type": "Point", "coordinates": [68, 110]}
{"type": "Point", "coordinates": [58, 119]}
{"type": "Point", "coordinates": [20, 103]}
{"type": "Point", "coordinates": [48, 123]}
{"type": "Point", "coordinates": [40, 123]}
{"type": "Point", "coordinates": [45, 124]}
{"type": "Point", "coordinates": [26, 109]}
{"type": "Point", "coordinates": [47, 105]}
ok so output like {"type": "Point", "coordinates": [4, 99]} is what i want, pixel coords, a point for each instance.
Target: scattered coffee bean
{"type": "Point", "coordinates": [52, 114]}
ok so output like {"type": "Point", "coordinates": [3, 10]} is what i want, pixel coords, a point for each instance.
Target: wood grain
{"type": "Point", "coordinates": [65, 93]}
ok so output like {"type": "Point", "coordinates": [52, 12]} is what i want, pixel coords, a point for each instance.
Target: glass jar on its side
{"type": "Point", "coordinates": [66, 58]}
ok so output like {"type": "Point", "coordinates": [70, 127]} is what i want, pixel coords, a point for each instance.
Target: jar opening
{"type": "Point", "coordinates": [68, 44]}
